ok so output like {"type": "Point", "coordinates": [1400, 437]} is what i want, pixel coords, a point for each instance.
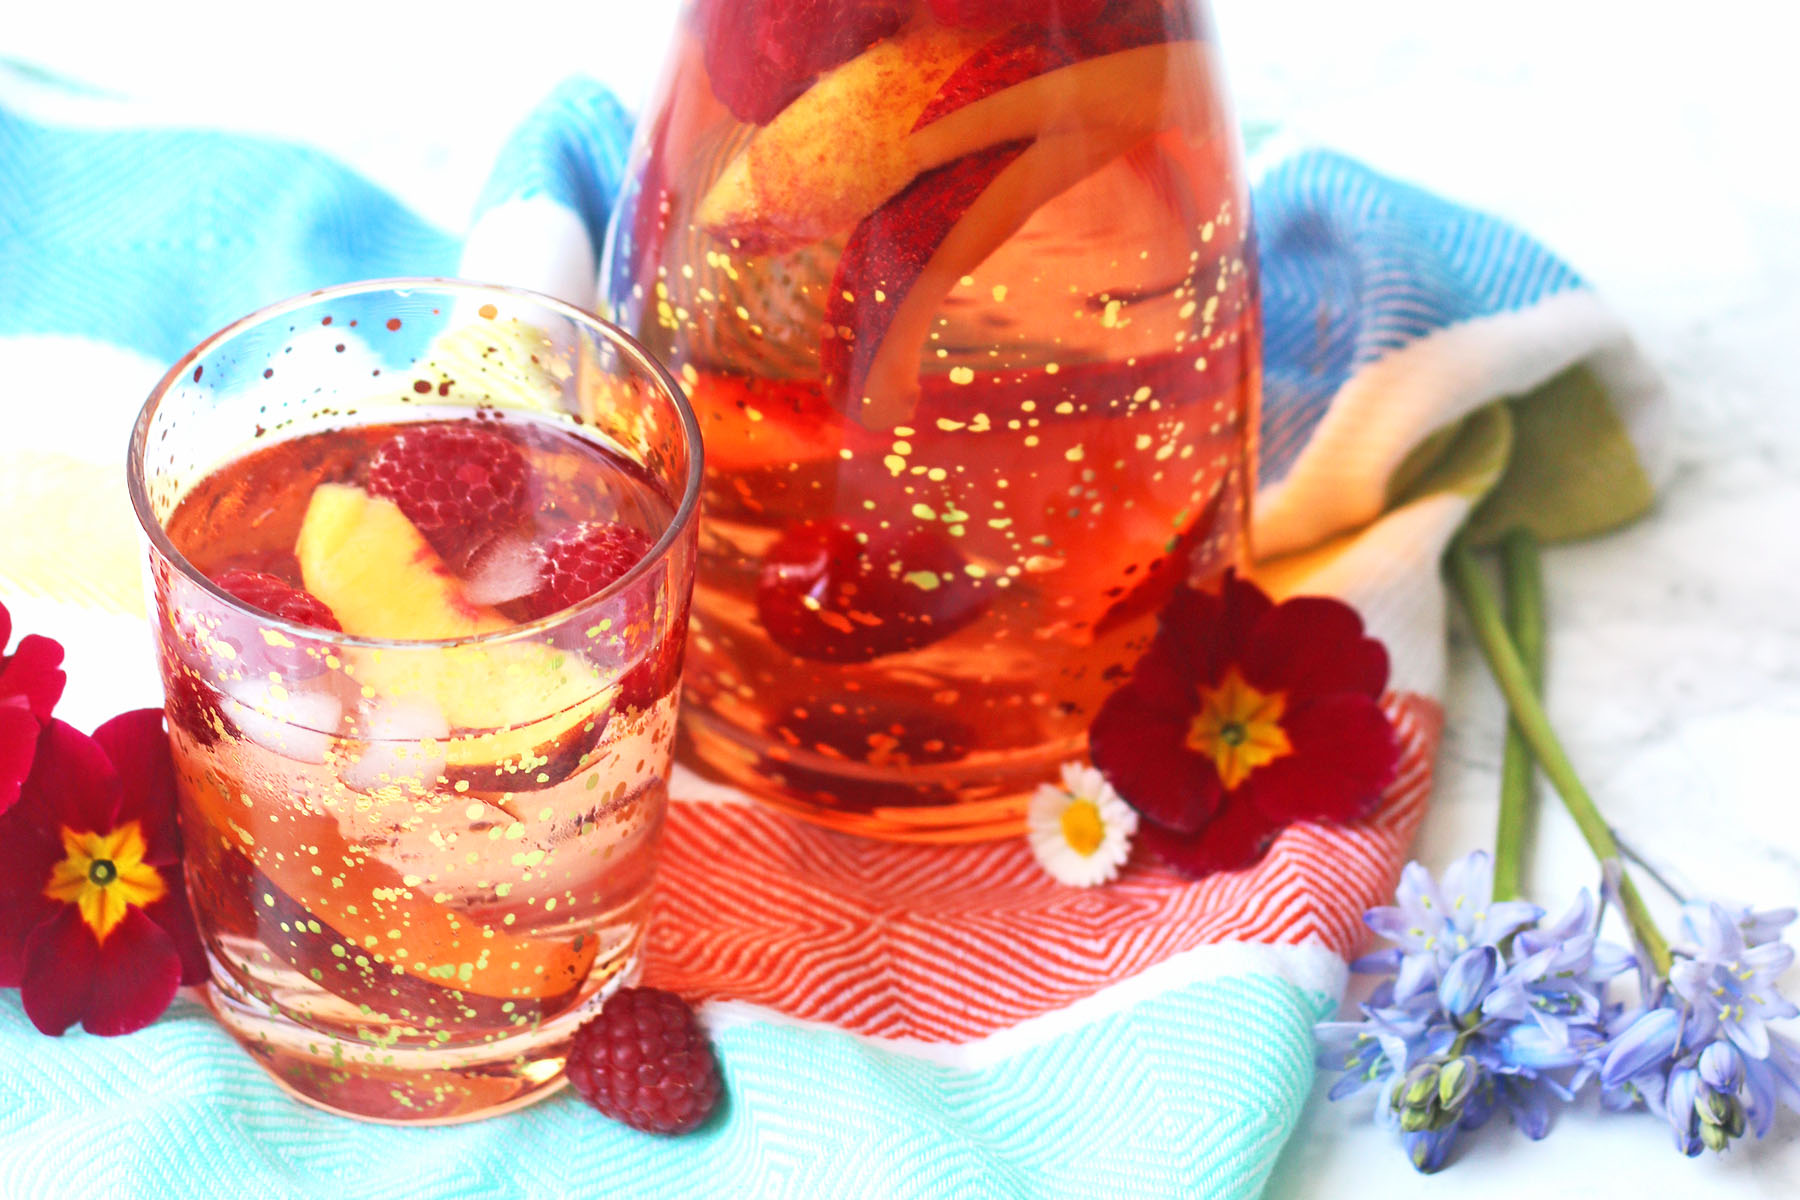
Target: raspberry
{"type": "Point", "coordinates": [192, 708]}
{"type": "Point", "coordinates": [645, 1061]}
{"type": "Point", "coordinates": [460, 483]}
{"type": "Point", "coordinates": [761, 54]}
{"type": "Point", "coordinates": [657, 675]}
{"type": "Point", "coordinates": [843, 591]}
{"type": "Point", "coordinates": [279, 598]}
{"type": "Point", "coordinates": [583, 559]}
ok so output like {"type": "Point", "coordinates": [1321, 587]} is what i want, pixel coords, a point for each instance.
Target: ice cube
{"type": "Point", "coordinates": [295, 724]}
{"type": "Point", "coordinates": [506, 569]}
{"type": "Point", "coordinates": [403, 742]}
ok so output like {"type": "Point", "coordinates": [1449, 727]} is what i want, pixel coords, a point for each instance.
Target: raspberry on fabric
{"type": "Point", "coordinates": [458, 482]}
{"type": "Point", "coordinates": [645, 1061]}
{"type": "Point", "coordinates": [583, 559]}
{"type": "Point", "coordinates": [279, 598]}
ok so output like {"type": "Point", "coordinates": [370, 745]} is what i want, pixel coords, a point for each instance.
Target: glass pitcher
{"type": "Point", "coordinates": [964, 296]}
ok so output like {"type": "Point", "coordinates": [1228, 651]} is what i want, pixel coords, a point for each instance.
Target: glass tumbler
{"type": "Point", "coordinates": [417, 864]}
{"type": "Point", "coordinates": [964, 297]}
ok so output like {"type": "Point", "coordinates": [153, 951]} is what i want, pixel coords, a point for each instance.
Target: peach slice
{"type": "Point", "coordinates": [383, 578]}
{"type": "Point", "coordinates": [853, 139]}
{"type": "Point", "coordinates": [888, 292]}
{"type": "Point", "coordinates": [393, 922]}
{"type": "Point", "coordinates": [519, 709]}
{"type": "Point", "coordinates": [836, 152]}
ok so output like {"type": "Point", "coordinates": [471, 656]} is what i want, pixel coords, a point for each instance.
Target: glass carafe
{"type": "Point", "coordinates": [964, 296]}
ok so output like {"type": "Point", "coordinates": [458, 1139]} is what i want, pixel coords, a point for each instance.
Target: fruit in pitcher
{"type": "Point", "coordinates": [857, 137]}
{"type": "Point", "coordinates": [834, 153]}
{"type": "Point", "coordinates": [843, 591]}
{"type": "Point", "coordinates": [988, 13]}
{"type": "Point", "coordinates": [761, 54]}
{"type": "Point", "coordinates": [904, 259]}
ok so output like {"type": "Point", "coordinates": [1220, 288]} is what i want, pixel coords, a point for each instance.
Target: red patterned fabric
{"type": "Point", "coordinates": [952, 943]}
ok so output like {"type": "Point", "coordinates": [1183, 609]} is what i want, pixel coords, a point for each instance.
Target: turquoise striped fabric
{"type": "Point", "coordinates": [1189, 1093]}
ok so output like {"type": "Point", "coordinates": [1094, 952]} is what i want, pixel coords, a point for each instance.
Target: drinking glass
{"type": "Point", "coordinates": [416, 865]}
{"type": "Point", "coordinates": [964, 298]}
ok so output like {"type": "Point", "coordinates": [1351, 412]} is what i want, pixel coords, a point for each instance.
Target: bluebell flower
{"type": "Point", "coordinates": [1434, 921]}
{"type": "Point", "coordinates": [1700, 1050]}
{"type": "Point", "coordinates": [1485, 1011]}
{"type": "Point", "coordinates": [1559, 974]}
{"type": "Point", "coordinates": [1760, 928]}
{"type": "Point", "coordinates": [1732, 982]}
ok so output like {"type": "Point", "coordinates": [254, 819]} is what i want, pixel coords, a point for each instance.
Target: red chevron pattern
{"type": "Point", "coordinates": [951, 943]}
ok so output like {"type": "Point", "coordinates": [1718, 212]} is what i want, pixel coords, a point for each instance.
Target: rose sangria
{"type": "Point", "coordinates": [421, 653]}
{"type": "Point", "coordinates": [963, 296]}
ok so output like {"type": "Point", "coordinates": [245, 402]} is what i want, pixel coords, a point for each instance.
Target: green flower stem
{"type": "Point", "coordinates": [1524, 575]}
{"type": "Point", "coordinates": [1478, 599]}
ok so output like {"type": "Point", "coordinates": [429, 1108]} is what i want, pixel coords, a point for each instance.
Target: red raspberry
{"type": "Point", "coordinates": [583, 559]}
{"type": "Point", "coordinates": [975, 14]}
{"type": "Point", "coordinates": [657, 675]}
{"type": "Point", "coordinates": [761, 54]}
{"type": "Point", "coordinates": [193, 708]}
{"type": "Point", "coordinates": [843, 591]}
{"type": "Point", "coordinates": [277, 597]}
{"type": "Point", "coordinates": [459, 482]}
{"type": "Point", "coordinates": [645, 1061]}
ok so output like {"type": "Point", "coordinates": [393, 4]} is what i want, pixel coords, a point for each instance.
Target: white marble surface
{"type": "Point", "coordinates": [1648, 143]}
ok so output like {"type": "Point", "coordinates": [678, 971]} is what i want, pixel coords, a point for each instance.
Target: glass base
{"type": "Point", "coordinates": [396, 1085]}
{"type": "Point", "coordinates": [953, 802]}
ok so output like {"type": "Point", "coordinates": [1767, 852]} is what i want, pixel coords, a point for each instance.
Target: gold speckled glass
{"type": "Point", "coordinates": [416, 866]}
{"type": "Point", "coordinates": [968, 315]}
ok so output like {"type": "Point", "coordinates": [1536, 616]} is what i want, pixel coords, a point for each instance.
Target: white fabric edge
{"type": "Point", "coordinates": [1341, 477]}
{"type": "Point", "coordinates": [1386, 573]}
{"type": "Point", "coordinates": [1309, 967]}
{"type": "Point", "coordinates": [533, 242]}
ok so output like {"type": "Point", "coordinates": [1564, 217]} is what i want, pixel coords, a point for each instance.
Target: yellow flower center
{"type": "Point", "coordinates": [104, 875]}
{"type": "Point", "coordinates": [1239, 728]}
{"type": "Point", "coordinates": [1082, 827]}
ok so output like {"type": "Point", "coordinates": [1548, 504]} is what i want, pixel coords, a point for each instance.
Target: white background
{"type": "Point", "coordinates": [1650, 143]}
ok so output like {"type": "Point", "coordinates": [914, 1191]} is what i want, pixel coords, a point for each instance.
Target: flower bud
{"type": "Point", "coordinates": [1456, 1083]}
{"type": "Point", "coordinates": [1722, 1068]}
{"type": "Point", "coordinates": [1416, 1098]}
{"type": "Point", "coordinates": [1468, 979]}
{"type": "Point", "coordinates": [1715, 1108]}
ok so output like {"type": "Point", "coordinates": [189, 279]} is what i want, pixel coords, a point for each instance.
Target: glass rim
{"type": "Point", "coordinates": [685, 511]}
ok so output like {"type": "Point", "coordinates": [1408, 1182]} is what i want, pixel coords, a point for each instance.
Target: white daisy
{"type": "Point", "coordinates": [1081, 831]}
